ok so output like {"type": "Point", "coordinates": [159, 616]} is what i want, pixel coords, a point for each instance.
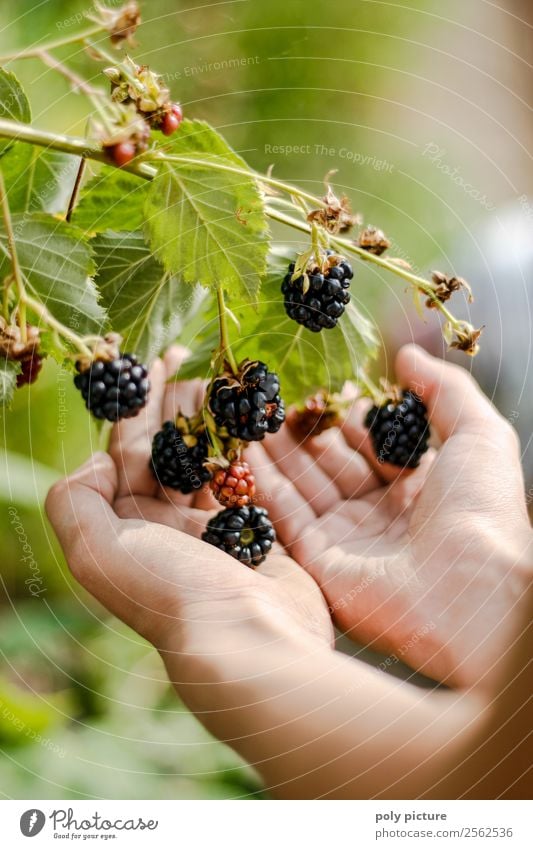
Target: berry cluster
{"type": "Point", "coordinates": [245, 533]}
{"type": "Point", "coordinates": [400, 431]}
{"type": "Point", "coordinates": [248, 405]}
{"type": "Point", "coordinates": [142, 103]}
{"type": "Point", "coordinates": [318, 298]}
{"type": "Point", "coordinates": [234, 486]}
{"type": "Point", "coordinates": [179, 455]}
{"type": "Point", "coordinates": [113, 389]}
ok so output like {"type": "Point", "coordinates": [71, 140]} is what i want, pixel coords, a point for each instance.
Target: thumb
{"type": "Point", "coordinates": [80, 511]}
{"type": "Point", "coordinates": [458, 409]}
{"type": "Point", "coordinates": [454, 400]}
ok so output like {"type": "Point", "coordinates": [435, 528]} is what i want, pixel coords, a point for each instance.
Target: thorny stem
{"type": "Point", "coordinates": [96, 97]}
{"type": "Point", "coordinates": [68, 144]}
{"type": "Point", "coordinates": [75, 190]}
{"type": "Point", "coordinates": [225, 346]}
{"type": "Point", "coordinates": [142, 168]}
{"type": "Point", "coordinates": [245, 172]}
{"type": "Point", "coordinates": [12, 247]}
{"type": "Point", "coordinates": [32, 52]}
{"type": "Point", "coordinates": [76, 81]}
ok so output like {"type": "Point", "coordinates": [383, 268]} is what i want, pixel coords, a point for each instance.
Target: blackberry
{"type": "Point", "coordinates": [31, 366]}
{"type": "Point", "coordinates": [245, 533]}
{"type": "Point", "coordinates": [178, 456]}
{"type": "Point", "coordinates": [319, 306]}
{"type": "Point", "coordinates": [249, 405]}
{"type": "Point", "coordinates": [114, 389]}
{"type": "Point", "coordinates": [400, 431]}
{"type": "Point", "coordinates": [234, 486]}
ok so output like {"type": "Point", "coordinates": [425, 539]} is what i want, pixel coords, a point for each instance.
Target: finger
{"type": "Point", "coordinates": [80, 510]}
{"type": "Point", "coordinates": [476, 438]}
{"type": "Point", "coordinates": [454, 400]}
{"type": "Point", "coordinates": [307, 477]}
{"type": "Point", "coordinates": [131, 440]}
{"type": "Point", "coordinates": [288, 510]}
{"type": "Point", "coordinates": [180, 517]}
{"type": "Point", "coordinates": [349, 470]}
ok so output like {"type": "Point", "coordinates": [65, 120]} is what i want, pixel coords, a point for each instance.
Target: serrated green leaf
{"type": "Point", "coordinates": [206, 225]}
{"type": "Point", "coordinates": [145, 304]}
{"type": "Point", "coordinates": [14, 104]}
{"type": "Point", "coordinates": [38, 180]}
{"type": "Point", "coordinates": [56, 264]}
{"type": "Point", "coordinates": [112, 200]}
{"type": "Point", "coordinates": [9, 369]}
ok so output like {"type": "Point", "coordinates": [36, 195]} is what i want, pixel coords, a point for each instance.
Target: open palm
{"type": "Point", "coordinates": [171, 572]}
{"type": "Point", "coordinates": [426, 565]}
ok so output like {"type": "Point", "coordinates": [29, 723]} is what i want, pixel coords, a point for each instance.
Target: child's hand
{"type": "Point", "coordinates": [136, 548]}
{"type": "Point", "coordinates": [429, 565]}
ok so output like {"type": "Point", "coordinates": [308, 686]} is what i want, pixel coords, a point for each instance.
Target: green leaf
{"type": "Point", "coordinates": [199, 363]}
{"type": "Point", "coordinates": [56, 264]}
{"type": "Point", "coordinates": [9, 369]}
{"type": "Point", "coordinates": [207, 225]}
{"type": "Point", "coordinates": [112, 200]}
{"type": "Point", "coordinates": [38, 180]}
{"type": "Point", "coordinates": [14, 104]}
{"type": "Point", "coordinates": [147, 305]}
{"type": "Point", "coordinates": [24, 481]}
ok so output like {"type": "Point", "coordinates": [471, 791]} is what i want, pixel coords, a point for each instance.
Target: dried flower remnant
{"type": "Point", "coordinates": [121, 23]}
{"type": "Point", "coordinates": [373, 240]}
{"type": "Point", "coordinates": [336, 215]}
{"type": "Point", "coordinates": [445, 287]}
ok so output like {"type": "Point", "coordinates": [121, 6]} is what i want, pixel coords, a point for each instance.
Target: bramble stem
{"type": "Point", "coordinates": [142, 168]}
{"type": "Point", "coordinates": [32, 52]}
{"type": "Point", "coordinates": [245, 172]}
{"type": "Point", "coordinates": [225, 346]}
{"type": "Point", "coordinates": [12, 247]}
{"type": "Point", "coordinates": [67, 144]}
{"type": "Point", "coordinates": [56, 325]}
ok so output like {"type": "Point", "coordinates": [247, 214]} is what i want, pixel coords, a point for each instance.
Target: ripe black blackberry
{"type": "Point", "coordinates": [178, 456]}
{"type": "Point", "coordinates": [319, 306]}
{"type": "Point", "coordinates": [400, 431]}
{"type": "Point", "coordinates": [246, 533]}
{"type": "Point", "coordinates": [248, 405]}
{"type": "Point", "coordinates": [113, 389]}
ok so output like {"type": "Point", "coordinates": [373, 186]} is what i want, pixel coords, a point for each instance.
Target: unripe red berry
{"type": "Point", "coordinates": [234, 486]}
{"type": "Point", "coordinates": [169, 124]}
{"type": "Point", "coordinates": [123, 153]}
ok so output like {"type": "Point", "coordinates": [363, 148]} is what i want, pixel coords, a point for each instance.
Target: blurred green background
{"type": "Point", "coordinates": [424, 113]}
